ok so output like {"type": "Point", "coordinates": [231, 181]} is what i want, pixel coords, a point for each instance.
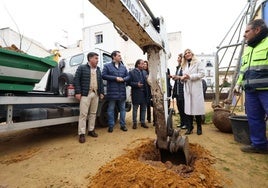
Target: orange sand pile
{"type": "Point", "coordinates": [142, 167]}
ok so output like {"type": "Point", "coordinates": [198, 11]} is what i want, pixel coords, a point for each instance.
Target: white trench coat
{"type": "Point", "coordinates": [193, 90]}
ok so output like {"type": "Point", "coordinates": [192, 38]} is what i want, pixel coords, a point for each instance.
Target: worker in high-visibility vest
{"type": "Point", "coordinates": [253, 79]}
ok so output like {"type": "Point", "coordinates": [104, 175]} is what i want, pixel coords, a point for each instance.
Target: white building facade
{"type": "Point", "coordinates": [175, 48]}
{"type": "Point", "coordinates": [106, 37]}
{"type": "Point", "coordinates": [208, 61]}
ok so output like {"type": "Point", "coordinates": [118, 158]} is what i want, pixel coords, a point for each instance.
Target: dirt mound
{"type": "Point", "coordinates": [142, 167]}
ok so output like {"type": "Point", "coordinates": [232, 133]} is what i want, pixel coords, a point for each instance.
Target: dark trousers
{"type": "Point", "coordinates": [149, 112]}
{"type": "Point", "coordinates": [190, 120]}
{"type": "Point", "coordinates": [142, 112]}
{"type": "Point", "coordinates": [180, 105]}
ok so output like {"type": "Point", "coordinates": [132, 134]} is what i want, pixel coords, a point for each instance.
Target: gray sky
{"type": "Point", "coordinates": [203, 23]}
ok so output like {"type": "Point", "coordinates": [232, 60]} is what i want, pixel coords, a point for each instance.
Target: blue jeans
{"type": "Point", "coordinates": [142, 111]}
{"type": "Point", "coordinates": [256, 108]}
{"type": "Point", "coordinates": [121, 104]}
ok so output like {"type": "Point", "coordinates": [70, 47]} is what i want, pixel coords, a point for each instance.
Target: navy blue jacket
{"type": "Point", "coordinates": [82, 80]}
{"type": "Point", "coordinates": [115, 90]}
{"type": "Point", "coordinates": [178, 86]}
{"type": "Point", "coordinates": [139, 95]}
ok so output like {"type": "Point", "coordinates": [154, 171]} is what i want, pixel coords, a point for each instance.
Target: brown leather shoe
{"type": "Point", "coordinates": [82, 138]}
{"type": "Point", "coordinates": [92, 134]}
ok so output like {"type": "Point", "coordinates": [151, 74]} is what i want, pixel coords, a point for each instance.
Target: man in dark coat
{"type": "Point", "coordinates": [88, 88]}
{"type": "Point", "coordinates": [139, 92]}
{"type": "Point", "coordinates": [117, 76]}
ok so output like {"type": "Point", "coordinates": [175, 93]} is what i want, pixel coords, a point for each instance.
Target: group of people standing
{"type": "Point", "coordinates": [188, 89]}
{"type": "Point", "coordinates": [89, 88]}
{"type": "Point", "coordinates": [253, 79]}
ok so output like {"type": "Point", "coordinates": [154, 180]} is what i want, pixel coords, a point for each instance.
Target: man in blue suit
{"type": "Point", "coordinates": [117, 76]}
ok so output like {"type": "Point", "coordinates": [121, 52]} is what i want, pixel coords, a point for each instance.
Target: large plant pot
{"type": "Point", "coordinates": [221, 120]}
{"type": "Point", "coordinates": [240, 129]}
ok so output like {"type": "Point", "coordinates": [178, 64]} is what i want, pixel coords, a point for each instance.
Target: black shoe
{"type": "Point", "coordinates": [82, 138]}
{"type": "Point", "coordinates": [252, 149]}
{"type": "Point", "coordinates": [134, 126]}
{"type": "Point", "coordinates": [149, 121]}
{"type": "Point", "coordinates": [92, 134]}
{"type": "Point", "coordinates": [199, 130]}
{"type": "Point", "coordinates": [110, 129]}
{"type": "Point", "coordinates": [123, 128]}
{"type": "Point", "coordinates": [189, 130]}
{"type": "Point", "coordinates": [144, 125]}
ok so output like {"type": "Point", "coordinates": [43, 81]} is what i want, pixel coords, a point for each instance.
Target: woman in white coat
{"type": "Point", "coordinates": [193, 72]}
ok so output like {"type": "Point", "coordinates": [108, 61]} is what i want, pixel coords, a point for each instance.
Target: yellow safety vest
{"type": "Point", "coordinates": [254, 69]}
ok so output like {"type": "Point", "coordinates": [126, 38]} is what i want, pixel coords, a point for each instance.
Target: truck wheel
{"type": "Point", "coordinates": [64, 81]}
{"type": "Point", "coordinates": [102, 120]}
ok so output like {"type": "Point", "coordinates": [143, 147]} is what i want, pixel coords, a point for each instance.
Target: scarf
{"type": "Point", "coordinates": [189, 62]}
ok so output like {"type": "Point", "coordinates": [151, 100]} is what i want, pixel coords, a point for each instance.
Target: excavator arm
{"type": "Point", "coordinates": [135, 19]}
{"type": "Point", "coordinates": [131, 18]}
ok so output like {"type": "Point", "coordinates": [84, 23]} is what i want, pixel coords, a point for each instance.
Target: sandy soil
{"type": "Point", "coordinates": [52, 157]}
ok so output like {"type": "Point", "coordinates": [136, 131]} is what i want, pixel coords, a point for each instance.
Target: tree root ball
{"type": "Point", "coordinates": [221, 120]}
